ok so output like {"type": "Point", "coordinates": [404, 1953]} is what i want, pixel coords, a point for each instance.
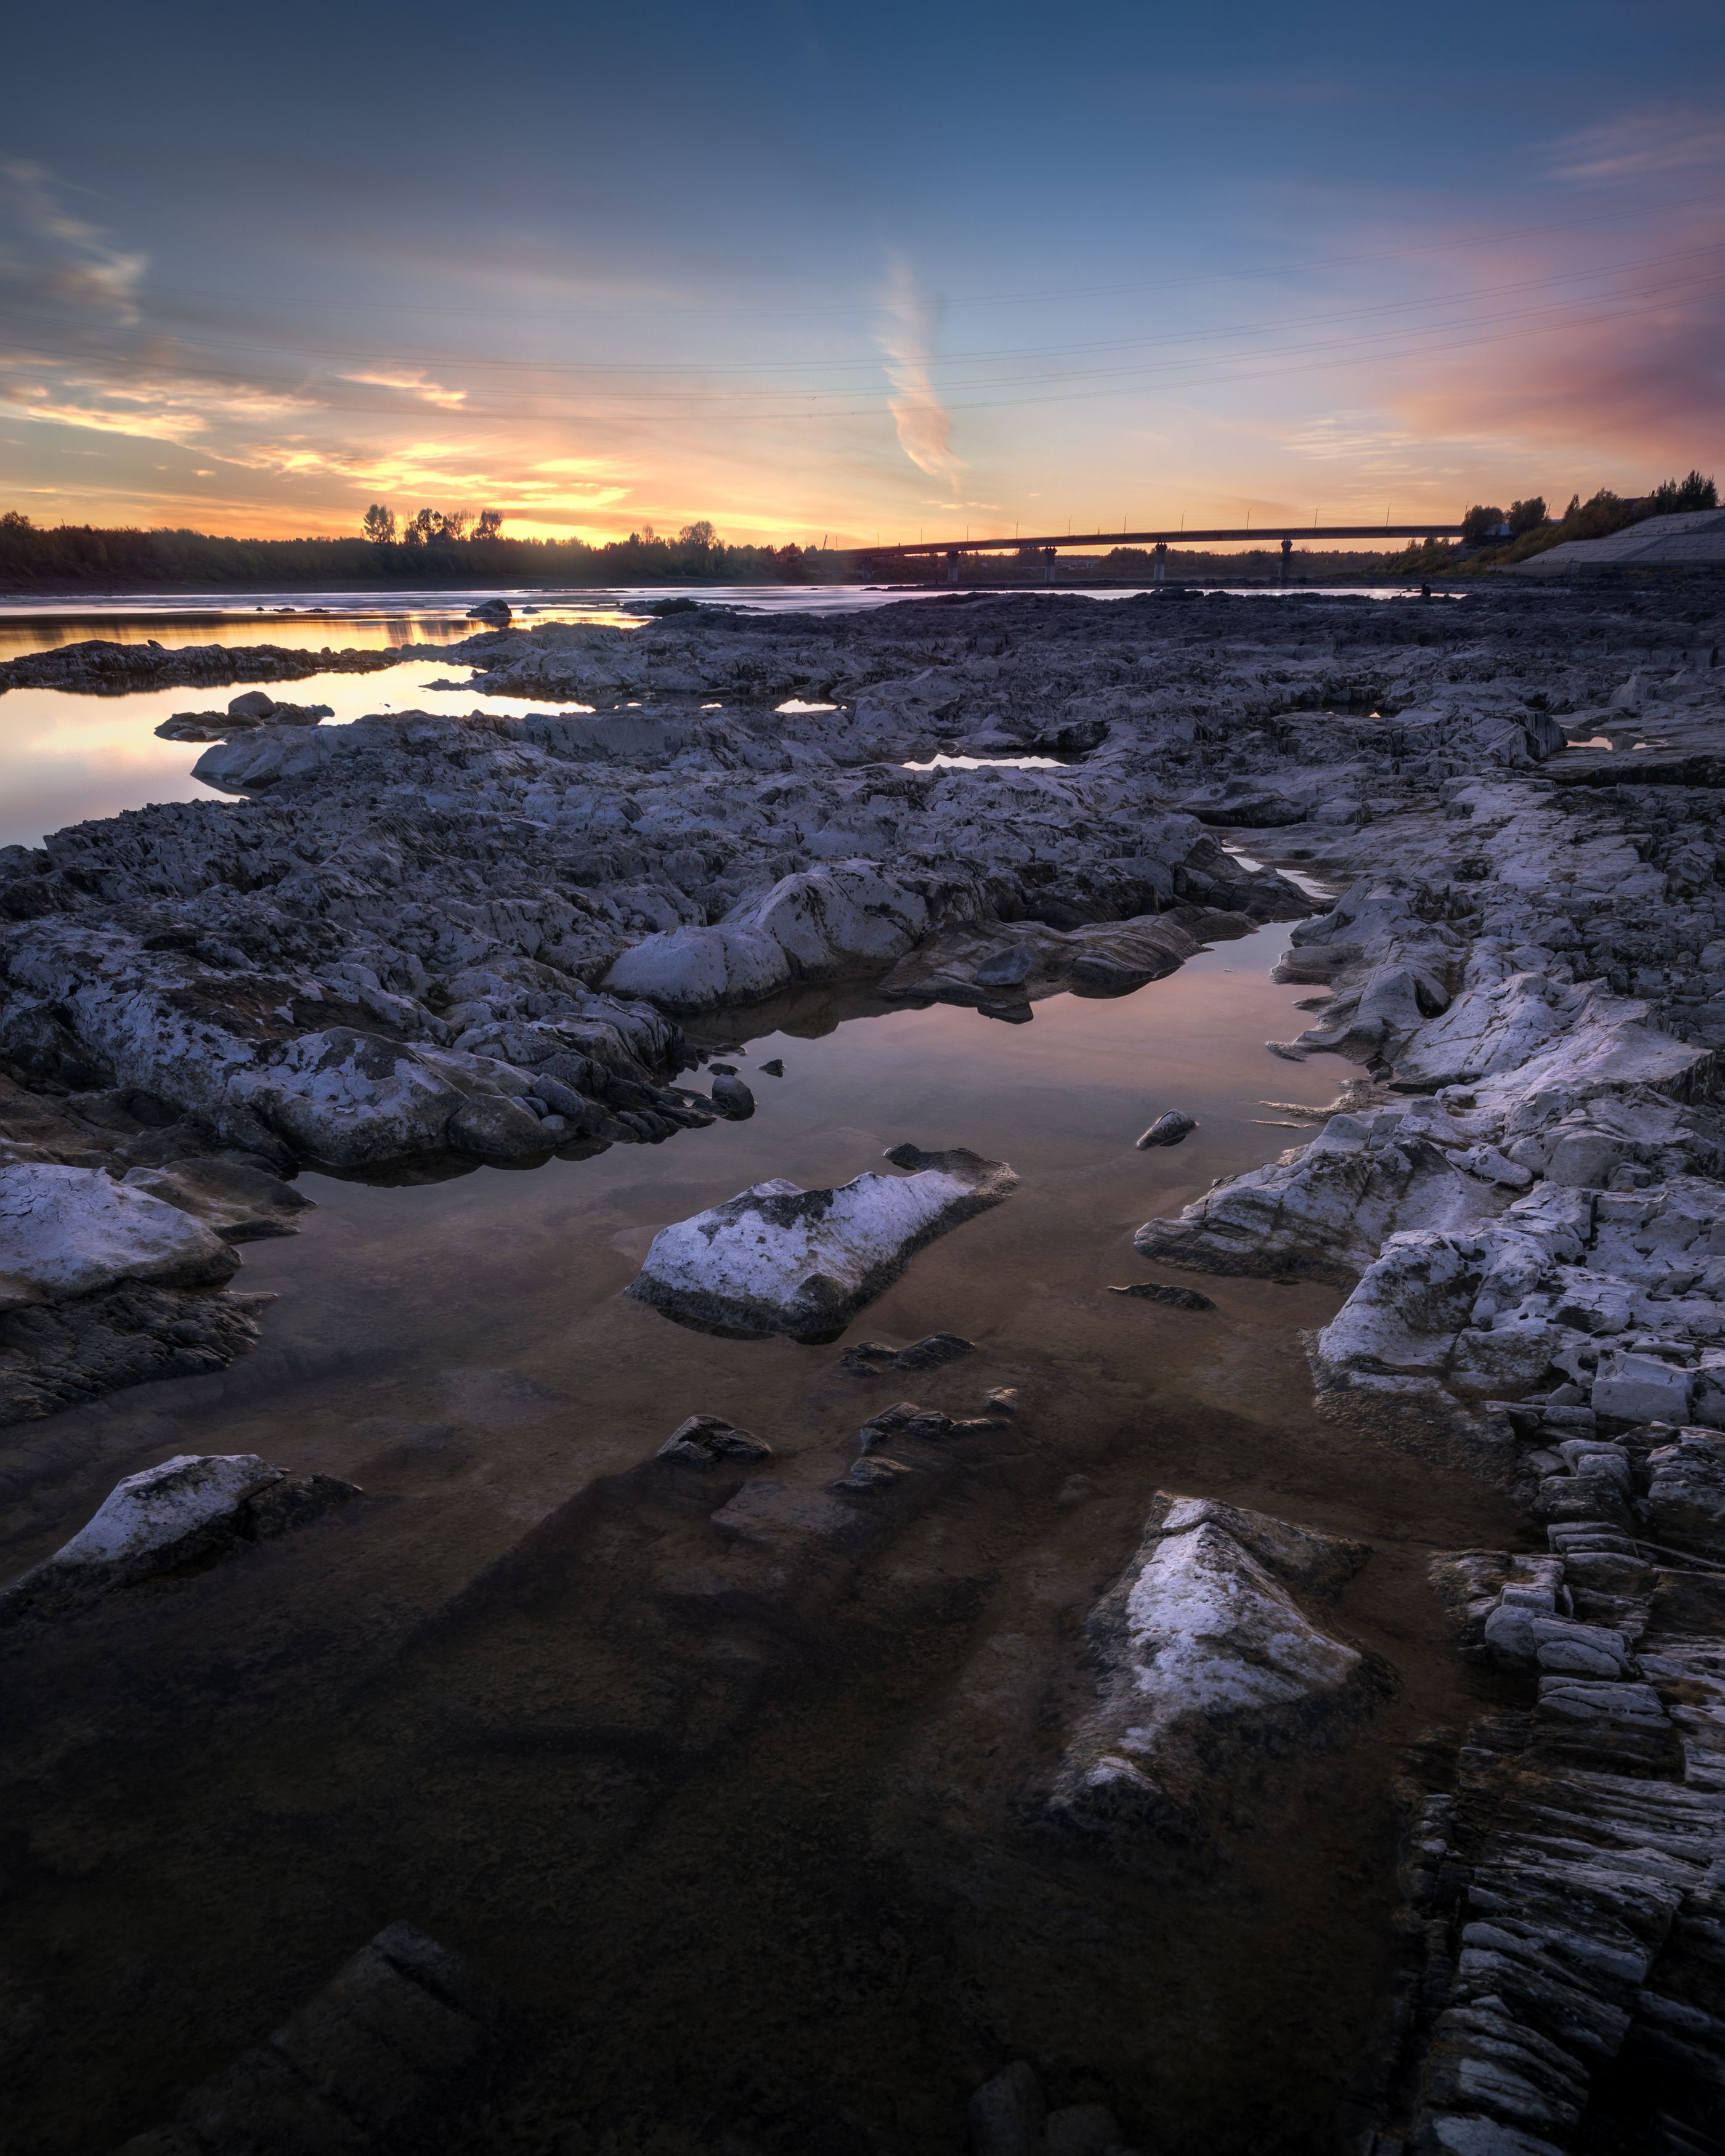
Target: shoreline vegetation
{"type": "Point", "coordinates": [463, 552]}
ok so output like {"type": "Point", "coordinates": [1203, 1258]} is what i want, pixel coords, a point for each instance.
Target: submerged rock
{"type": "Point", "coordinates": [240, 1203]}
{"type": "Point", "coordinates": [779, 1259]}
{"type": "Point", "coordinates": [1176, 1298]}
{"type": "Point", "coordinates": [869, 1358]}
{"type": "Point", "coordinates": [375, 2062]}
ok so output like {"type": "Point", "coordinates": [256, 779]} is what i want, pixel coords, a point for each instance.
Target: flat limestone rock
{"type": "Point", "coordinates": [779, 1259]}
{"type": "Point", "coordinates": [1206, 1656]}
{"type": "Point", "coordinates": [183, 1512]}
{"type": "Point", "coordinates": [74, 1231]}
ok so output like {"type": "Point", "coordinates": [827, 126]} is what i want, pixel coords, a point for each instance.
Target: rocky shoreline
{"type": "Point", "coordinates": [416, 945]}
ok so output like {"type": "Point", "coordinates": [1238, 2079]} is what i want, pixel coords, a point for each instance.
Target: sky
{"type": "Point", "coordinates": [856, 273]}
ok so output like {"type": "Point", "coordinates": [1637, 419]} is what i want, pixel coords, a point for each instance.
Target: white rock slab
{"type": "Point", "coordinates": [147, 1524]}
{"type": "Point", "coordinates": [1205, 1652]}
{"type": "Point", "coordinates": [73, 1231]}
{"type": "Point", "coordinates": [151, 1511]}
{"type": "Point", "coordinates": [779, 1259]}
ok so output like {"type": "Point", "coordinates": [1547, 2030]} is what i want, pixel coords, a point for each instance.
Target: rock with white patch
{"type": "Point", "coordinates": [778, 1258]}
{"type": "Point", "coordinates": [67, 1232]}
{"type": "Point", "coordinates": [1207, 1657]}
{"type": "Point", "coordinates": [177, 1515]}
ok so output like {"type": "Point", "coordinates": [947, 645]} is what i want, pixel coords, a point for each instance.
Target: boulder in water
{"type": "Point", "coordinates": [779, 1259]}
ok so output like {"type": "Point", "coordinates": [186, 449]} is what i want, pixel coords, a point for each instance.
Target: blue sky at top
{"type": "Point", "coordinates": [802, 268]}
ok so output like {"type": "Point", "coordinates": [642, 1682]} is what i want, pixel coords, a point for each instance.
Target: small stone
{"type": "Point", "coordinates": [874, 1472]}
{"type": "Point", "coordinates": [703, 1440]}
{"type": "Point", "coordinates": [1004, 1400]}
{"type": "Point", "coordinates": [904, 1419]}
{"type": "Point", "coordinates": [871, 1357]}
{"type": "Point", "coordinates": [1177, 1298]}
{"type": "Point", "coordinates": [732, 1098]}
{"type": "Point", "coordinates": [774, 1068]}
{"type": "Point", "coordinates": [1075, 1490]}
{"type": "Point", "coordinates": [1168, 1130]}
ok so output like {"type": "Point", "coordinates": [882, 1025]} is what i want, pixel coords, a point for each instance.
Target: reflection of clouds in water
{"type": "Point", "coordinates": [67, 757]}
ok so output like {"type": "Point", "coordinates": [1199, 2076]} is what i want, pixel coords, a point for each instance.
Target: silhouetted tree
{"type": "Point", "coordinates": [379, 525]}
{"type": "Point", "coordinates": [699, 537]}
{"type": "Point", "coordinates": [490, 525]}
{"type": "Point", "coordinates": [1479, 523]}
{"type": "Point", "coordinates": [1676, 494]}
{"type": "Point", "coordinates": [1526, 516]}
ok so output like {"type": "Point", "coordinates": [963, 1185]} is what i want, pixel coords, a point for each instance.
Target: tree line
{"type": "Point", "coordinates": [1525, 528]}
{"type": "Point", "coordinates": [433, 547]}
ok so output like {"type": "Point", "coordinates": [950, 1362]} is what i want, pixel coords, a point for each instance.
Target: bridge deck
{"type": "Point", "coordinates": [1264, 534]}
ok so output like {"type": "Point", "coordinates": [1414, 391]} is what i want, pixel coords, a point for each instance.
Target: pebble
{"type": "Point", "coordinates": [732, 1098]}
{"type": "Point", "coordinates": [703, 1441]}
{"type": "Point", "coordinates": [1177, 1298]}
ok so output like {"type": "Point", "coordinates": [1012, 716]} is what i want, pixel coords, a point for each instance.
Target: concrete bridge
{"type": "Point", "coordinates": [1046, 548]}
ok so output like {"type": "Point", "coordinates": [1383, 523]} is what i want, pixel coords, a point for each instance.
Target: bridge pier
{"type": "Point", "coordinates": [1048, 565]}
{"type": "Point", "coordinates": [1158, 567]}
{"type": "Point", "coordinates": [953, 566]}
{"type": "Point", "coordinates": [1287, 549]}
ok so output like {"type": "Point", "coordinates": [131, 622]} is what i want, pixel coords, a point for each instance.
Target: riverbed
{"type": "Point", "coordinates": [821, 1923]}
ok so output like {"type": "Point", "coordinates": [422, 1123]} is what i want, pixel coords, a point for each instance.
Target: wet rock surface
{"type": "Point", "coordinates": [97, 667]}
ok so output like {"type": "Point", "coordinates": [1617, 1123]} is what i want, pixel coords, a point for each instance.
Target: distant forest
{"type": "Point", "coordinates": [465, 551]}
{"type": "Point", "coordinates": [432, 549]}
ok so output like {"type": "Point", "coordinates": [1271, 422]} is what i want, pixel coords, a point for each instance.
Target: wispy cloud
{"type": "Point", "coordinates": [1650, 141]}
{"type": "Point", "coordinates": [50, 258]}
{"type": "Point", "coordinates": [414, 381]}
{"type": "Point", "coordinates": [908, 333]}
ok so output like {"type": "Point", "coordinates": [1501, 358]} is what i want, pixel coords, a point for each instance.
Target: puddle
{"type": "Point", "coordinates": [944, 763]}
